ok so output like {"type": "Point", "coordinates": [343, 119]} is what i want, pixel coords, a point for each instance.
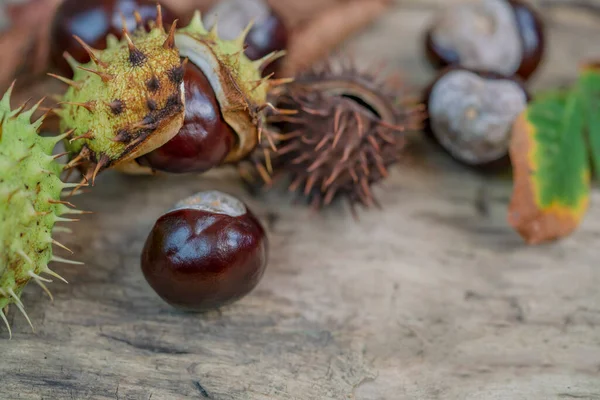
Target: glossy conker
{"type": "Point", "coordinates": [268, 32]}
{"type": "Point", "coordinates": [92, 21]}
{"type": "Point", "coordinates": [209, 251]}
{"type": "Point", "coordinates": [502, 36]}
{"type": "Point", "coordinates": [470, 114]}
{"type": "Point", "coordinates": [205, 138]}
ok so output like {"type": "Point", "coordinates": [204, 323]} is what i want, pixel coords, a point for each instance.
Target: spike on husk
{"type": "Point", "coordinates": [109, 97]}
{"type": "Point", "coordinates": [30, 205]}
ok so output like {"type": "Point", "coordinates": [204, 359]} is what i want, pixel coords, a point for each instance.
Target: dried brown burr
{"type": "Point", "coordinates": [338, 130]}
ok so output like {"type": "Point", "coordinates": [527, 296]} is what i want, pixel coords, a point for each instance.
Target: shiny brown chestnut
{"type": "Point", "coordinates": [207, 252]}
{"type": "Point", "coordinates": [92, 21]}
{"type": "Point", "coordinates": [470, 115]}
{"type": "Point", "coordinates": [268, 32]}
{"type": "Point", "coordinates": [205, 138]}
{"type": "Point", "coordinates": [502, 36]}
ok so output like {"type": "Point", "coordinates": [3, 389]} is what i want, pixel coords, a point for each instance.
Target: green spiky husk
{"type": "Point", "coordinates": [134, 107]}
{"type": "Point", "coordinates": [30, 190]}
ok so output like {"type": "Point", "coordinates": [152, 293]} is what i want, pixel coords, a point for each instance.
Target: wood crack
{"type": "Point", "coordinates": [153, 348]}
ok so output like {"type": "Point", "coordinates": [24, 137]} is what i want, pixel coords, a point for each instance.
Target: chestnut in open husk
{"type": "Point", "coordinates": [204, 140]}
{"type": "Point", "coordinates": [208, 251]}
{"type": "Point", "coordinates": [470, 114]}
{"type": "Point", "coordinates": [225, 98]}
{"type": "Point", "coordinates": [502, 36]}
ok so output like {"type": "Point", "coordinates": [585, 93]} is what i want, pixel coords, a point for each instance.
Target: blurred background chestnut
{"type": "Point", "coordinates": [503, 36]}
{"type": "Point", "coordinates": [471, 113]}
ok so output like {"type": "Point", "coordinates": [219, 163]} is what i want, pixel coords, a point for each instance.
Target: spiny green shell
{"type": "Point", "coordinates": [235, 79]}
{"type": "Point", "coordinates": [30, 190]}
{"type": "Point", "coordinates": [132, 104]}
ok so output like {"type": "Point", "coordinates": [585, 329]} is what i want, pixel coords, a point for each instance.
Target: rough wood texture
{"type": "Point", "coordinates": [435, 297]}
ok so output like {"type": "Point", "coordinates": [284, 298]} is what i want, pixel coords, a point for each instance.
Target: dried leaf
{"type": "Point", "coordinates": [551, 168]}
{"type": "Point", "coordinates": [315, 40]}
{"type": "Point", "coordinates": [25, 44]}
{"type": "Point", "coordinates": [295, 13]}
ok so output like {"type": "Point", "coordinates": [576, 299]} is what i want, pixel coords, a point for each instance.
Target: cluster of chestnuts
{"type": "Point", "coordinates": [146, 95]}
{"type": "Point", "coordinates": [205, 139]}
{"type": "Point", "coordinates": [210, 249]}
{"type": "Point", "coordinates": [486, 51]}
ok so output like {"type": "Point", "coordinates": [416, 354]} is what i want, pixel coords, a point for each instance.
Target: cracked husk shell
{"type": "Point", "coordinates": [126, 102]}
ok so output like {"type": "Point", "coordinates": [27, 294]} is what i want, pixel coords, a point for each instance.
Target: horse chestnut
{"type": "Point", "coordinates": [204, 140]}
{"type": "Point", "coordinates": [503, 36]}
{"type": "Point", "coordinates": [92, 21]}
{"type": "Point", "coordinates": [268, 33]}
{"type": "Point", "coordinates": [209, 251]}
{"type": "Point", "coordinates": [471, 113]}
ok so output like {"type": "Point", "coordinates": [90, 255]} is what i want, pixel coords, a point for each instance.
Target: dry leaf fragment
{"type": "Point", "coordinates": [315, 40]}
{"type": "Point", "coordinates": [296, 13]}
{"type": "Point", "coordinates": [25, 44]}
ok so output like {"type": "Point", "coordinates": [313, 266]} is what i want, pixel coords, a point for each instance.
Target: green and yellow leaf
{"type": "Point", "coordinates": [589, 87]}
{"type": "Point", "coordinates": [551, 168]}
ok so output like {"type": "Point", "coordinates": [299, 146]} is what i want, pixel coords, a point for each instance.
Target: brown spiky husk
{"type": "Point", "coordinates": [336, 132]}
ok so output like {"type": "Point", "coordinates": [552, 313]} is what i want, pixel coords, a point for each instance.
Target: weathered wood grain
{"type": "Point", "coordinates": [434, 297]}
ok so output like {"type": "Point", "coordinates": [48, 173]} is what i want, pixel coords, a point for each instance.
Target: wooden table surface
{"type": "Point", "coordinates": [434, 297]}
